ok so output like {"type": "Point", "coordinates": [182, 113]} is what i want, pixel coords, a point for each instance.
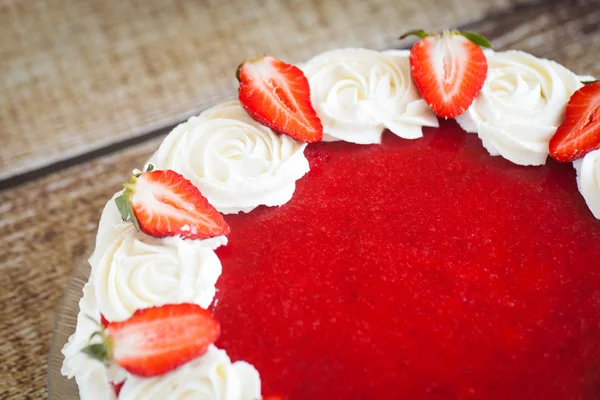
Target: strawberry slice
{"type": "Point", "coordinates": [164, 203]}
{"type": "Point", "coordinates": [448, 70]}
{"type": "Point", "coordinates": [117, 387]}
{"type": "Point", "coordinates": [103, 320]}
{"type": "Point", "coordinates": [156, 340]}
{"type": "Point", "coordinates": [277, 95]}
{"type": "Point", "coordinates": [579, 132]}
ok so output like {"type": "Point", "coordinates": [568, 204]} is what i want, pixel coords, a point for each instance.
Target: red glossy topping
{"type": "Point", "coordinates": [418, 269]}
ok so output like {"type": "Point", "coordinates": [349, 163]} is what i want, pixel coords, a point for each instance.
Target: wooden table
{"type": "Point", "coordinates": [90, 88]}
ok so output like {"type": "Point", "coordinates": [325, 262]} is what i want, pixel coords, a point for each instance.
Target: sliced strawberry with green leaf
{"type": "Point", "coordinates": [277, 95]}
{"type": "Point", "coordinates": [579, 133]}
{"type": "Point", "coordinates": [448, 70]}
{"type": "Point", "coordinates": [164, 203]}
{"type": "Point", "coordinates": [156, 340]}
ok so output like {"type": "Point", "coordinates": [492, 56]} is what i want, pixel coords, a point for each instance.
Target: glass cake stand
{"type": "Point", "coordinates": [59, 387]}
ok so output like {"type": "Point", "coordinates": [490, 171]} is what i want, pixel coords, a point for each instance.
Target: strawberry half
{"type": "Point", "coordinates": [579, 132]}
{"type": "Point", "coordinates": [164, 203]}
{"type": "Point", "coordinates": [448, 70]}
{"type": "Point", "coordinates": [156, 340]}
{"type": "Point", "coordinates": [277, 95]}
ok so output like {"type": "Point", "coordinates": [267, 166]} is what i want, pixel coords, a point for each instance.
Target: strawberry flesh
{"type": "Point", "coordinates": [117, 387]}
{"type": "Point", "coordinates": [166, 204]}
{"type": "Point", "coordinates": [157, 340]}
{"type": "Point", "coordinates": [579, 132]}
{"type": "Point", "coordinates": [449, 71]}
{"type": "Point", "coordinates": [277, 95]}
{"type": "Point", "coordinates": [103, 321]}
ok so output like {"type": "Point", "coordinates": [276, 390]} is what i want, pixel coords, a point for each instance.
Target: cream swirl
{"type": "Point", "coordinates": [520, 106]}
{"type": "Point", "coordinates": [91, 376]}
{"type": "Point", "coordinates": [211, 376]}
{"type": "Point", "coordinates": [236, 162]}
{"type": "Point", "coordinates": [357, 93]}
{"type": "Point", "coordinates": [131, 270]}
{"type": "Point", "coordinates": [588, 180]}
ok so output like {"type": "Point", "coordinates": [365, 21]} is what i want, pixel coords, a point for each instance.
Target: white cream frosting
{"type": "Point", "coordinates": [520, 106]}
{"type": "Point", "coordinates": [588, 180]}
{"type": "Point", "coordinates": [131, 270]}
{"type": "Point", "coordinates": [237, 163]}
{"type": "Point", "coordinates": [357, 93]}
{"type": "Point", "coordinates": [212, 376]}
{"type": "Point", "coordinates": [91, 376]}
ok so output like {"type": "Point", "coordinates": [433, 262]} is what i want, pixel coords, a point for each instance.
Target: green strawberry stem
{"type": "Point", "coordinates": [476, 38]}
{"type": "Point", "coordinates": [99, 351]}
{"type": "Point", "coordinates": [473, 37]}
{"type": "Point", "coordinates": [123, 201]}
{"type": "Point", "coordinates": [420, 33]}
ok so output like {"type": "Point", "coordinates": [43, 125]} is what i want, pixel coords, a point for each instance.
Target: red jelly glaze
{"type": "Point", "coordinates": [421, 269]}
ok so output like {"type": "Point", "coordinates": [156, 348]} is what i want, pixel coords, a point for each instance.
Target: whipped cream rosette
{"type": "Point", "coordinates": [237, 163]}
{"type": "Point", "coordinates": [211, 376]}
{"type": "Point", "coordinates": [131, 270]}
{"type": "Point", "coordinates": [520, 105]}
{"type": "Point", "coordinates": [358, 93]}
{"type": "Point", "coordinates": [588, 180]}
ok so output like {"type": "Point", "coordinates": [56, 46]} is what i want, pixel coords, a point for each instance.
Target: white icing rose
{"type": "Point", "coordinates": [91, 376]}
{"type": "Point", "coordinates": [131, 270]}
{"type": "Point", "coordinates": [520, 106]}
{"type": "Point", "coordinates": [357, 93]}
{"type": "Point", "coordinates": [237, 163]}
{"type": "Point", "coordinates": [137, 271]}
{"type": "Point", "coordinates": [588, 180]}
{"type": "Point", "coordinates": [211, 376]}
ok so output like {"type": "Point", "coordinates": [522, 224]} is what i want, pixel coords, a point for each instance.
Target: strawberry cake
{"type": "Point", "coordinates": [402, 224]}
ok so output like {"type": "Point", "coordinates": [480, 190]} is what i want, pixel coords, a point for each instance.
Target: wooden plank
{"type": "Point", "coordinates": [47, 226]}
{"type": "Point", "coordinates": [80, 75]}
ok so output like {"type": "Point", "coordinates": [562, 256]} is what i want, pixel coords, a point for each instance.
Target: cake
{"type": "Point", "coordinates": [403, 256]}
